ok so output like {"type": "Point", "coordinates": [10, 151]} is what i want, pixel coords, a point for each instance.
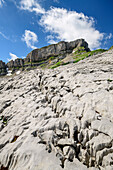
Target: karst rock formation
{"type": "Point", "coordinates": [59, 119]}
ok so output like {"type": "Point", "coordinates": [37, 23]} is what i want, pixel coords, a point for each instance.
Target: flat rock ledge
{"type": "Point", "coordinates": [59, 119]}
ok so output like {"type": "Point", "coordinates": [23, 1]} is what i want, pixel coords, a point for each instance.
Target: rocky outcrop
{"type": "Point", "coordinates": [3, 70]}
{"type": "Point", "coordinates": [59, 119]}
{"type": "Point", "coordinates": [62, 48]}
{"type": "Point", "coordinates": [16, 63]}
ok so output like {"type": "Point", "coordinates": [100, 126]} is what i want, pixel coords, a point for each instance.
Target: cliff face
{"type": "Point", "coordinates": [16, 63]}
{"type": "Point", "coordinates": [61, 48]}
{"type": "Point", "coordinates": [3, 69]}
{"type": "Point", "coordinates": [42, 54]}
{"type": "Point", "coordinates": [59, 119]}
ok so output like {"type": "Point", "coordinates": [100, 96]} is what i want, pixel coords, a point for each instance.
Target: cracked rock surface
{"type": "Point", "coordinates": [59, 119]}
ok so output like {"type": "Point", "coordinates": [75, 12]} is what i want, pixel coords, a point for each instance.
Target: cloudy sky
{"type": "Point", "coordinates": [29, 24]}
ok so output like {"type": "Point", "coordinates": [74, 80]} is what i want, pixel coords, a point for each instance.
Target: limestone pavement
{"type": "Point", "coordinates": [59, 119]}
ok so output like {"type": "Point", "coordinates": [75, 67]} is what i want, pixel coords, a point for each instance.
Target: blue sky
{"type": "Point", "coordinates": [29, 24]}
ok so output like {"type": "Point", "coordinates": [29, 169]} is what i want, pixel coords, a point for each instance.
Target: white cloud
{"type": "Point", "coordinates": [70, 25]}
{"type": "Point", "coordinates": [50, 39]}
{"type": "Point", "coordinates": [30, 38]}
{"type": "Point", "coordinates": [13, 57]}
{"type": "Point", "coordinates": [32, 6]}
{"type": "Point", "coordinates": [1, 2]}
{"type": "Point", "coordinates": [65, 25]}
{"type": "Point", "coordinates": [109, 36]}
{"type": "Point", "coordinates": [52, 42]}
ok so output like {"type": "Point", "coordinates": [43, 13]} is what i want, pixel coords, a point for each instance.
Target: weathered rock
{"type": "Point", "coordinates": [16, 63]}
{"type": "Point", "coordinates": [69, 153]}
{"type": "Point", "coordinates": [75, 165]}
{"type": "Point", "coordinates": [54, 50]}
{"type": "Point", "coordinates": [3, 70]}
{"type": "Point", "coordinates": [2, 64]}
{"type": "Point", "coordinates": [64, 142]}
{"type": "Point", "coordinates": [10, 64]}
{"type": "Point", "coordinates": [60, 118]}
{"type": "Point", "coordinates": [60, 50]}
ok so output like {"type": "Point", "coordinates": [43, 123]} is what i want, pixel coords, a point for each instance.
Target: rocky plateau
{"type": "Point", "coordinates": [60, 118]}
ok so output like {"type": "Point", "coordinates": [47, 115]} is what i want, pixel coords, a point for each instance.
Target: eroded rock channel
{"type": "Point", "coordinates": [59, 119]}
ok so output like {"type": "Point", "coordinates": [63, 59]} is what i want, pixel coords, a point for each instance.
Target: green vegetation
{"type": "Point", "coordinates": [111, 48]}
{"type": "Point", "coordinates": [30, 68]}
{"type": "Point", "coordinates": [36, 62]}
{"type": "Point", "coordinates": [109, 80]}
{"type": "Point", "coordinates": [98, 51]}
{"type": "Point", "coordinates": [78, 59]}
{"type": "Point", "coordinates": [65, 63]}
{"type": "Point", "coordinates": [39, 62]}
{"type": "Point", "coordinates": [1, 117]}
{"type": "Point", "coordinates": [90, 53]}
{"type": "Point", "coordinates": [60, 63]}
{"type": "Point", "coordinates": [79, 50]}
{"type": "Point", "coordinates": [80, 55]}
{"type": "Point", "coordinates": [17, 68]}
{"type": "Point", "coordinates": [43, 66]}
{"type": "Point", "coordinates": [4, 120]}
{"type": "Point", "coordinates": [56, 65]}
{"type": "Point", "coordinates": [52, 58]}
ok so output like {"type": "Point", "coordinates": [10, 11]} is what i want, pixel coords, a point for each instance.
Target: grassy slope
{"type": "Point", "coordinates": [78, 55]}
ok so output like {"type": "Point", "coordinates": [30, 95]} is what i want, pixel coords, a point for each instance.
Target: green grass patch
{"type": "Point", "coordinates": [79, 58]}
{"type": "Point", "coordinates": [60, 63]}
{"type": "Point", "coordinates": [97, 51]}
{"type": "Point", "coordinates": [52, 58]}
{"type": "Point", "coordinates": [79, 50]}
{"type": "Point", "coordinates": [82, 55]}
{"type": "Point", "coordinates": [17, 68]}
{"type": "Point", "coordinates": [56, 65]}
{"type": "Point", "coordinates": [65, 63]}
